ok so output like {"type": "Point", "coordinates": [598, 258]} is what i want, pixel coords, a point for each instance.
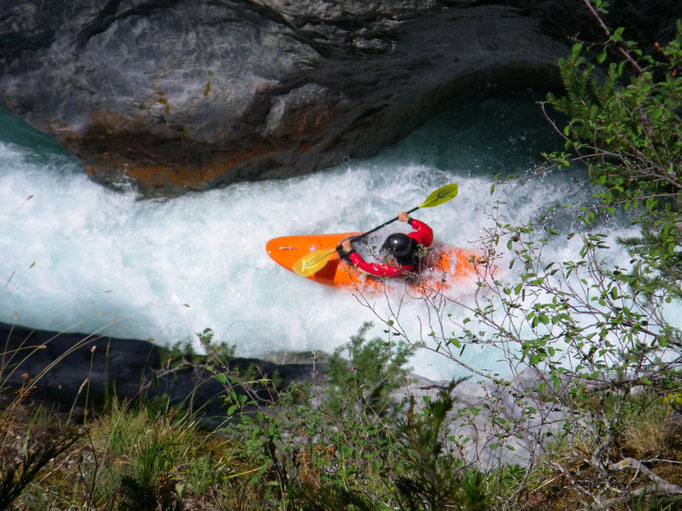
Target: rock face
{"type": "Point", "coordinates": [180, 95]}
{"type": "Point", "coordinates": [78, 369]}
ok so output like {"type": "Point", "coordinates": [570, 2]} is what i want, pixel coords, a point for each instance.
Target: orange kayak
{"type": "Point", "coordinates": [444, 267]}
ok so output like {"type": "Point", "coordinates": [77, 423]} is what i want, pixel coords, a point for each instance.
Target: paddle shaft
{"type": "Point", "coordinates": [316, 260]}
{"type": "Point", "coordinates": [360, 236]}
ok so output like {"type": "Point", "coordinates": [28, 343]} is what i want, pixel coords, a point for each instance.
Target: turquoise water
{"type": "Point", "coordinates": [77, 256]}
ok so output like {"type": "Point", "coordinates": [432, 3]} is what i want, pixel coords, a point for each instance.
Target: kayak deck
{"type": "Point", "coordinates": [442, 268]}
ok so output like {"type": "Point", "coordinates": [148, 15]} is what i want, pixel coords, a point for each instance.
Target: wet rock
{"type": "Point", "coordinates": [178, 95]}
{"type": "Point", "coordinates": [79, 369]}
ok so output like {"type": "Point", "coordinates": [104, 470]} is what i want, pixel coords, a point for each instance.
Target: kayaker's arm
{"type": "Point", "coordinates": [347, 252]}
{"type": "Point", "coordinates": [379, 270]}
{"type": "Point", "coordinates": [423, 233]}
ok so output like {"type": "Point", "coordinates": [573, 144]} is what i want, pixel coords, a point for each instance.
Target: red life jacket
{"type": "Point", "coordinates": [422, 234]}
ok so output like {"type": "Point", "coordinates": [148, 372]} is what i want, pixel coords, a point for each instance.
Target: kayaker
{"type": "Point", "coordinates": [404, 250]}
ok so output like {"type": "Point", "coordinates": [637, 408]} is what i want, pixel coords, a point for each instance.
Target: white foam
{"type": "Point", "coordinates": [81, 257]}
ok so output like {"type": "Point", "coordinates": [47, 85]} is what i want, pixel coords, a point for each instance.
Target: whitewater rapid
{"type": "Point", "coordinates": [79, 257]}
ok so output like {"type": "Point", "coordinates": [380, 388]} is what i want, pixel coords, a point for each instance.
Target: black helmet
{"type": "Point", "coordinates": [398, 244]}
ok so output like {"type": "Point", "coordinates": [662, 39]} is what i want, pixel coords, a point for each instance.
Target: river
{"type": "Point", "coordinates": [80, 257]}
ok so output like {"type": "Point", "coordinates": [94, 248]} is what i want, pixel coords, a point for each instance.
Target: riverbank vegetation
{"type": "Point", "coordinates": [362, 437]}
{"type": "Point", "coordinates": [586, 415]}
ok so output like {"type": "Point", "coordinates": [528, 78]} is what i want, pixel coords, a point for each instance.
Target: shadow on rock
{"type": "Point", "coordinates": [79, 370]}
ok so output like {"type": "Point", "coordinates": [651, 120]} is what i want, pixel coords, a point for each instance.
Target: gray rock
{"type": "Point", "coordinates": [180, 95]}
{"type": "Point", "coordinates": [79, 369]}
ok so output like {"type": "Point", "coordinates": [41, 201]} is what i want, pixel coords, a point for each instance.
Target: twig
{"type": "Point", "coordinates": [606, 31]}
{"type": "Point", "coordinates": [661, 484]}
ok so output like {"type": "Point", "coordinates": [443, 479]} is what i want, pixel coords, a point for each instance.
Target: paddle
{"type": "Point", "coordinates": [314, 261]}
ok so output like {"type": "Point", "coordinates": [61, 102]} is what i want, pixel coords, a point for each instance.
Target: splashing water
{"type": "Point", "coordinates": [79, 257]}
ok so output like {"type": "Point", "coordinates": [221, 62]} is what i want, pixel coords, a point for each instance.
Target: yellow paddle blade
{"type": "Point", "coordinates": [438, 197]}
{"type": "Point", "coordinates": [311, 263]}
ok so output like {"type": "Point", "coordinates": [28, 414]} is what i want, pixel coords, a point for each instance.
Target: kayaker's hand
{"type": "Point", "coordinates": [403, 216]}
{"type": "Point", "coordinates": [344, 249]}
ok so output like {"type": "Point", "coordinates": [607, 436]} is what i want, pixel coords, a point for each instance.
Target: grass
{"type": "Point", "coordinates": [349, 444]}
{"type": "Point", "coordinates": [652, 433]}
{"type": "Point", "coordinates": [127, 456]}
